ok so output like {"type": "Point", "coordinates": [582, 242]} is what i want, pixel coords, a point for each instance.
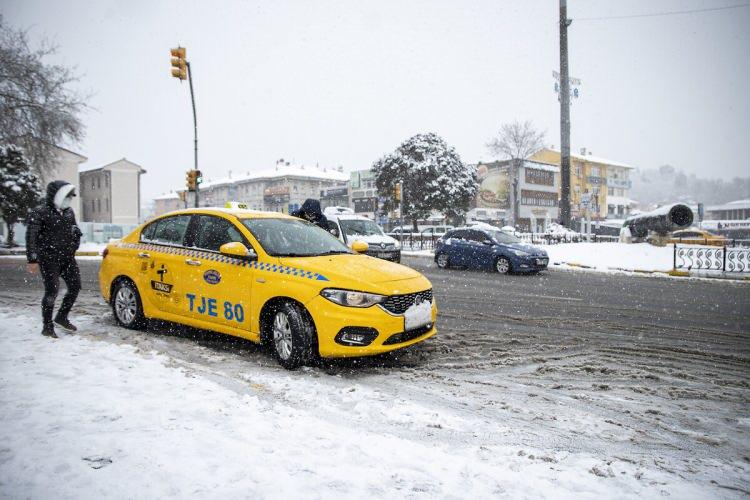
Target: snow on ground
{"type": "Point", "coordinates": [612, 256]}
{"type": "Point", "coordinates": [85, 418]}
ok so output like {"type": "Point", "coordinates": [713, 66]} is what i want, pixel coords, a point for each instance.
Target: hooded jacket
{"type": "Point", "coordinates": [310, 211]}
{"type": "Point", "coordinates": [51, 231]}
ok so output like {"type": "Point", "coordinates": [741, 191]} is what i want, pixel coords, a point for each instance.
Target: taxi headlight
{"type": "Point", "coordinates": [351, 298]}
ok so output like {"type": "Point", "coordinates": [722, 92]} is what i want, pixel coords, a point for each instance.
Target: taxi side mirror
{"type": "Point", "coordinates": [360, 246]}
{"type": "Point", "coordinates": [239, 250]}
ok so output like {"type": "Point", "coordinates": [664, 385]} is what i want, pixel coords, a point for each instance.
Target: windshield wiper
{"type": "Point", "coordinates": [333, 252]}
{"type": "Point", "coordinates": [293, 254]}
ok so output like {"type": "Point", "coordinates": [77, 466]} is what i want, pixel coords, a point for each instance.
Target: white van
{"type": "Point", "coordinates": [350, 227]}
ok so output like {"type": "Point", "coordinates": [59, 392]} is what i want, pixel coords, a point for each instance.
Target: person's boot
{"type": "Point", "coordinates": [65, 324]}
{"type": "Point", "coordinates": [49, 330]}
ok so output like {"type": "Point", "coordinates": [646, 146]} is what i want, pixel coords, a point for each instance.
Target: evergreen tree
{"type": "Point", "coordinates": [20, 189]}
{"type": "Point", "coordinates": [433, 177]}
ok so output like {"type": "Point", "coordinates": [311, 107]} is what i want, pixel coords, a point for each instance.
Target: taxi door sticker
{"type": "Point", "coordinates": [161, 287]}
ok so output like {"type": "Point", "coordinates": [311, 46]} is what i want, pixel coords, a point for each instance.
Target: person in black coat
{"type": "Point", "coordinates": [310, 211]}
{"type": "Point", "coordinates": [52, 238]}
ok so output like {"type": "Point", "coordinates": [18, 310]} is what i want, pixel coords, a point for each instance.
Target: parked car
{"type": "Point", "coordinates": [350, 227]}
{"type": "Point", "coordinates": [438, 231]}
{"type": "Point", "coordinates": [697, 237]}
{"type": "Point", "coordinates": [482, 248]}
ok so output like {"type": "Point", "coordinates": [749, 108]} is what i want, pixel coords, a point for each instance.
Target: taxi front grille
{"type": "Point", "coordinates": [398, 304]}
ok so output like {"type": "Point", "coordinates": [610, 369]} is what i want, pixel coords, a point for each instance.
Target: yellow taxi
{"type": "Point", "coordinates": [697, 237]}
{"type": "Point", "coordinates": [267, 277]}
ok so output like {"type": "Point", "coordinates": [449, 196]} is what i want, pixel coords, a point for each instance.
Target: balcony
{"type": "Point", "coordinates": [596, 180]}
{"type": "Point", "coordinates": [619, 183]}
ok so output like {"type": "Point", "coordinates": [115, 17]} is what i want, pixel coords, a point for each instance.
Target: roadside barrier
{"type": "Point", "coordinates": [711, 258]}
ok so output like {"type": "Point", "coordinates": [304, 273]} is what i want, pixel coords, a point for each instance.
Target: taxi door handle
{"type": "Point", "coordinates": [191, 262]}
{"type": "Point", "coordinates": [144, 255]}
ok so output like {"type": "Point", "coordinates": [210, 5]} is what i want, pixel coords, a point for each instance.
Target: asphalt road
{"type": "Point", "coordinates": [649, 371]}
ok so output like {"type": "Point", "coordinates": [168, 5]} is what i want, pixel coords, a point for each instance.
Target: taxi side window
{"type": "Point", "coordinates": [148, 232]}
{"type": "Point", "coordinates": [171, 230]}
{"type": "Point", "coordinates": [212, 232]}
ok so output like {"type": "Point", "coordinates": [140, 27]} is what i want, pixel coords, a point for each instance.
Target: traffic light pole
{"type": "Point", "coordinates": [195, 130]}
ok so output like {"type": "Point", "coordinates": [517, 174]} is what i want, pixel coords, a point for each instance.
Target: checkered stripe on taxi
{"type": "Point", "coordinates": [216, 257]}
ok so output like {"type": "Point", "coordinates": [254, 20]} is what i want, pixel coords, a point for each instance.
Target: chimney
{"type": "Point", "coordinates": [583, 151]}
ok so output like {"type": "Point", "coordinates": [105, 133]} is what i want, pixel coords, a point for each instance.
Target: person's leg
{"type": "Point", "coordinates": [50, 271]}
{"type": "Point", "coordinates": [72, 276]}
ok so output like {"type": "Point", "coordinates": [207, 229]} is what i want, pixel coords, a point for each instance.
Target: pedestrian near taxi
{"type": "Point", "coordinates": [311, 212]}
{"type": "Point", "coordinates": [52, 238]}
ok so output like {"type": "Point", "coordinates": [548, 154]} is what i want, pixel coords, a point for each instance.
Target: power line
{"type": "Point", "coordinates": [660, 14]}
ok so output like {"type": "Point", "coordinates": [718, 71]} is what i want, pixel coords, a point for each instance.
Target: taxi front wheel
{"type": "Point", "coordinates": [126, 305]}
{"type": "Point", "coordinates": [292, 336]}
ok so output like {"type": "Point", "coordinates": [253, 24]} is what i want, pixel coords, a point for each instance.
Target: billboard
{"type": "Point", "coordinates": [494, 186]}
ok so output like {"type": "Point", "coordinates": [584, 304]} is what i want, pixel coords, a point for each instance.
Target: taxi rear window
{"type": "Point", "coordinates": [166, 231]}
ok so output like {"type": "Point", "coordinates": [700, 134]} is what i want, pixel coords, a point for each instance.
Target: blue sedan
{"type": "Point", "coordinates": [488, 249]}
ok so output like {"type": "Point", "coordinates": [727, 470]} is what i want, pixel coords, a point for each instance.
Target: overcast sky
{"type": "Point", "coordinates": [344, 82]}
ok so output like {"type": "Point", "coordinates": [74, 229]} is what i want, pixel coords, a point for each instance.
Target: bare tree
{"type": "Point", "coordinates": [517, 140]}
{"type": "Point", "coordinates": [38, 109]}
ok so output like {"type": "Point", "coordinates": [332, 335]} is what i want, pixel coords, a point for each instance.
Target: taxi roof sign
{"type": "Point", "coordinates": [236, 205]}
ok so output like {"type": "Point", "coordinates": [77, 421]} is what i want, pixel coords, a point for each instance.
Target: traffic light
{"type": "Point", "coordinates": [198, 177]}
{"type": "Point", "coordinates": [191, 179]}
{"type": "Point", "coordinates": [179, 63]}
{"type": "Point", "coordinates": [397, 192]}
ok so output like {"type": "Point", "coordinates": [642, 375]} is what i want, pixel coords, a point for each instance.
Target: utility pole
{"type": "Point", "coordinates": [181, 69]}
{"type": "Point", "coordinates": [564, 117]}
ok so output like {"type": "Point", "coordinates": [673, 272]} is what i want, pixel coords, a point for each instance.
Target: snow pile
{"type": "Point", "coordinates": [83, 418]}
{"type": "Point", "coordinates": [612, 256]}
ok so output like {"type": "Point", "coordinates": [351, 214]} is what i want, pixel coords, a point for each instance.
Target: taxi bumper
{"type": "Point", "coordinates": [342, 330]}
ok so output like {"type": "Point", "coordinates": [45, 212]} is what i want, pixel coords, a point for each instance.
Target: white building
{"type": "Point", "coordinates": [282, 188]}
{"type": "Point", "coordinates": [112, 193]}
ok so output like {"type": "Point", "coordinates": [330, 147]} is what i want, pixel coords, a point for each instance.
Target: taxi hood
{"type": "Point", "coordinates": [348, 267]}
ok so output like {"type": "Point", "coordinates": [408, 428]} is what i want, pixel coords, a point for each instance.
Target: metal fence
{"type": "Point", "coordinates": [416, 241]}
{"type": "Point", "coordinates": [712, 258]}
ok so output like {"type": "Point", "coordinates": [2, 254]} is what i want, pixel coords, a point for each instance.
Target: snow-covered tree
{"type": "Point", "coordinates": [20, 189]}
{"type": "Point", "coordinates": [433, 177]}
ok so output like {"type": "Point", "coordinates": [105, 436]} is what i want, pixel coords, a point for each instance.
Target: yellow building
{"type": "Point", "coordinates": [598, 187]}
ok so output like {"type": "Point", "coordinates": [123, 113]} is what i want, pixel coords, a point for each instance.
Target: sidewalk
{"type": "Point", "coordinates": [85, 250]}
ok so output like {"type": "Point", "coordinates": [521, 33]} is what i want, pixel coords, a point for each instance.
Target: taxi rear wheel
{"type": "Point", "coordinates": [126, 305]}
{"type": "Point", "coordinates": [292, 336]}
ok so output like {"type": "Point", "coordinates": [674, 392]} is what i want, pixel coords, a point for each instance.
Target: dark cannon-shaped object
{"type": "Point", "coordinates": [661, 221]}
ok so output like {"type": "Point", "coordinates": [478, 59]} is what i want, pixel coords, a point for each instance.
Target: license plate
{"type": "Point", "coordinates": [418, 315]}
{"type": "Point", "coordinates": [384, 255]}
{"type": "Point", "coordinates": [541, 262]}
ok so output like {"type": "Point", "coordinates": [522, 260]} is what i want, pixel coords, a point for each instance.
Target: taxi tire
{"type": "Point", "coordinates": [302, 335]}
{"type": "Point", "coordinates": [138, 319]}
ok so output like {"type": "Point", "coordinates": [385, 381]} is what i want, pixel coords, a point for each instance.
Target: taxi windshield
{"type": "Point", "coordinates": [293, 238]}
{"type": "Point", "coordinates": [355, 227]}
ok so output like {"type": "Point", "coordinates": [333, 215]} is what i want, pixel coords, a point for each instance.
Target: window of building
{"type": "Point", "coordinates": [106, 180]}
{"type": "Point", "coordinates": [93, 206]}
{"type": "Point", "coordinates": [595, 171]}
{"type": "Point", "coordinates": [611, 191]}
{"type": "Point", "coordinates": [93, 183]}
{"type": "Point", "coordinates": [98, 182]}
{"type": "Point", "coordinates": [106, 203]}
{"type": "Point", "coordinates": [98, 205]}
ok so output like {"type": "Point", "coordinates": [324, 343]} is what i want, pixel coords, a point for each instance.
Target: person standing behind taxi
{"type": "Point", "coordinates": [310, 211]}
{"type": "Point", "coordinates": [52, 238]}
